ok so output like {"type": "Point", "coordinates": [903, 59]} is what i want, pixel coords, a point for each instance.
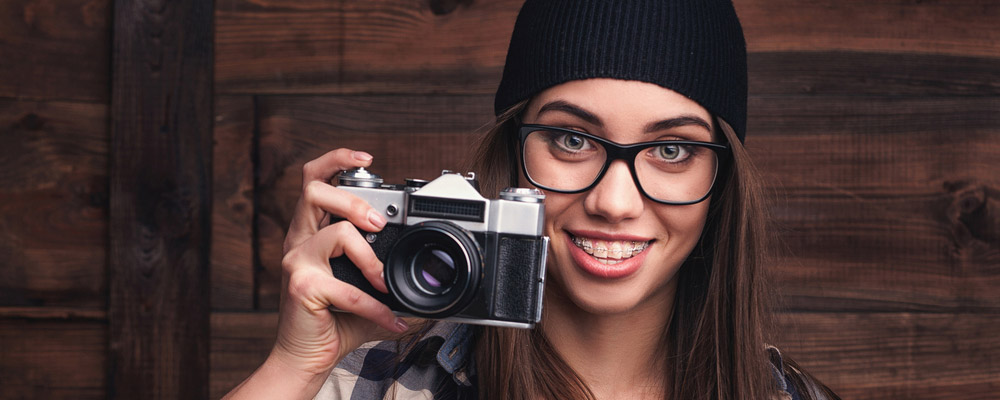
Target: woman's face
{"type": "Point", "coordinates": [613, 219]}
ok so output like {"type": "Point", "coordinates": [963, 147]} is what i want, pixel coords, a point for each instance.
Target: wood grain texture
{"type": "Point", "coordinates": [53, 204]}
{"type": "Point", "coordinates": [53, 313]}
{"type": "Point", "coordinates": [897, 355]}
{"type": "Point", "coordinates": [161, 186]}
{"type": "Point", "coordinates": [232, 204]}
{"type": "Point", "coordinates": [386, 46]}
{"type": "Point", "coordinates": [409, 136]}
{"type": "Point", "coordinates": [857, 73]}
{"type": "Point", "coordinates": [240, 343]}
{"type": "Point", "coordinates": [55, 50]}
{"type": "Point", "coordinates": [955, 27]}
{"type": "Point", "coordinates": [53, 359]}
{"type": "Point", "coordinates": [883, 203]}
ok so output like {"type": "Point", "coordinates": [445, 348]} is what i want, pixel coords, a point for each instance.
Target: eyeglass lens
{"type": "Point", "coordinates": [564, 161]}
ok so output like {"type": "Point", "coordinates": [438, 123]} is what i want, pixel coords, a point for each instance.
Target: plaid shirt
{"type": "Point", "coordinates": [440, 367]}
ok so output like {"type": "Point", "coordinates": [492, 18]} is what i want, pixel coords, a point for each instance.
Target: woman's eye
{"type": "Point", "coordinates": [570, 142]}
{"type": "Point", "coordinates": [672, 152]}
{"type": "Point", "coordinates": [573, 142]}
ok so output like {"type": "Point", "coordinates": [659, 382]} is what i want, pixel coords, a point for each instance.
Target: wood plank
{"type": "Point", "coordinates": [897, 355]}
{"type": "Point", "coordinates": [240, 343]}
{"type": "Point", "coordinates": [161, 186]}
{"type": "Point", "coordinates": [53, 204]}
{"type": "Point", "coordinates": [232, 204]}
{"type": "Point", "coordinates": [883, 203]}
{"type": "Point", "coordinates": [873, 251]}
{"type": "Point", "coordinates": [396, 46]}
{"type": "Point", "coordinates": [409, 136]}
{"type": "Point", "coordinates": [873, 142]}
{"type": "Point", "coordinates": [50, 313]}
{"type": "Point", "coordinates": [55, 50]}
{"type": "Point", "coordinates": [871, 74]}
{"type": "Point", "coordinates": [44, 359]}
{"type": "Point", "coordinates": [960, 27]}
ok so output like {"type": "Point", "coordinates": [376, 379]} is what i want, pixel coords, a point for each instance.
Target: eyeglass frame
{"type": "Point", "coordinates": [628, 153]}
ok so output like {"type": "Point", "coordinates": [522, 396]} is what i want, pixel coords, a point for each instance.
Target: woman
{"type": "Point", "coordinates": [630, 117]}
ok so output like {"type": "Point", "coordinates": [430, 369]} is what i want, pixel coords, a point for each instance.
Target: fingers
{"type": "Point", "coordinates": [309, 287]}
{"type": "Point", "coordinates": [349, 242]}
{"type": "Point", "coordinates": [310, 280]}
{"type": "Point", "coordinates": [332, 162]}
{"type": "Point", "coordinates": [320, 199]}
{"type": "Point", "coordinates": [336, 240]}
{"type": "Point", "coordinates": [318, 292]}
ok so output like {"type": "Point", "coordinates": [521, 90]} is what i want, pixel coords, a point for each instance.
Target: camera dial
{"type": "Point", "coordinates": [523, 195]}
{"type": "Point", "coordinates": [359, 177]}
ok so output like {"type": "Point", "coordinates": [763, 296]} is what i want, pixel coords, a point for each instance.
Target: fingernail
{"type": "Point", "coordinates": [361, 156]}
{"type": "Point", "coordinates": [376, 219]}
{"type": "Point", "coordinates": [401, 325]}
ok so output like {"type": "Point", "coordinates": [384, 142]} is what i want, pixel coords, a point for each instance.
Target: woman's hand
{"type": "Point", "coordinates": [312, 339]}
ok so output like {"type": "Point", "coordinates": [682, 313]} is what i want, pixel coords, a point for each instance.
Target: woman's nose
{"type": "Point", "coordinates": [616, 197]}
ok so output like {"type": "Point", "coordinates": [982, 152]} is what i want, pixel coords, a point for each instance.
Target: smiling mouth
{"type": "Point", "coordinates": [610, 252]}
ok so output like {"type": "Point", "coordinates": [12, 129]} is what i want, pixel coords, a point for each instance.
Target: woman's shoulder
{"type": "Point", "coordinates": [431, 365]}
{"type": "Point", "coordinates": [794, 382]}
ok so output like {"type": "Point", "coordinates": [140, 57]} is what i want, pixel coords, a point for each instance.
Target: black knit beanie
{"type": "Point", "coordinates": [693, 47]}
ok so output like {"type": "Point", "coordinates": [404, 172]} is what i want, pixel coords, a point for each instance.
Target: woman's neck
{"type": "Point", "coordinates": [617, 355]}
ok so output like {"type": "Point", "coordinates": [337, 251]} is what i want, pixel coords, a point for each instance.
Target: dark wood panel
{"type": "Point", "coordinates": [349, 46]}
{"type": "Point", "coordinates": [897, 355]}
{"type": "Point", "coordinates": [161, 188]}
{"type": "Point", "coordinates": [883, 143]}
{"type": "Point", "coordinates": [871, 74]}
{"type": "Point", "coordinates": [240, 343]}
{"type": "Point", "coordinates": [53, 203]}
{"type": "Point", "coordinates": [53, 313]}
{"type": "Point", "coordinates": [409, 136]}
{"type": "Point", "coordinates": [55, 50]}
{"type": "Point", "coordinates": [53, 359]}
{"type": "Point", "coordinates": [869, 250]}
{"type": "Point", "coordinates": [232, 204]}
{"type": "Point", "coordinates": [883, 203]}
{"type": "Point", "coordinates": [961, 27]}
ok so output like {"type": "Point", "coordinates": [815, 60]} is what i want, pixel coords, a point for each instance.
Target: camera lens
{"type": "Point", "coordinates": [434, 270]}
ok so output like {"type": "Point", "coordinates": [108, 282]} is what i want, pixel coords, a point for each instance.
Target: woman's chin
{"type": "Point", "coordinates": [596, 298]}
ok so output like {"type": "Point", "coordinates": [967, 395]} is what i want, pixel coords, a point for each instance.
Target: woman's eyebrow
{"type": "Point", "coordinates": [566, 107]}
{"type": "Point", "coordinates": [683, 120]}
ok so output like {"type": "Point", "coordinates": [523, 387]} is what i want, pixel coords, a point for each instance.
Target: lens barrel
{"type": "Point", "coordinates": [434, 269]}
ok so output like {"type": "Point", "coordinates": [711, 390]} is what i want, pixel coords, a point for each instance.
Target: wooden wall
{"type": "Point", "coordinates": [877, 124]}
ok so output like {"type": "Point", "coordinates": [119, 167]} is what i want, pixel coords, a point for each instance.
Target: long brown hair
{"type": "Point", "coordinates": [715, 341]}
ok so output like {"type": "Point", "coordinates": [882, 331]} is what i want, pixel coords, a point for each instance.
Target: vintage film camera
{"type": "Point", "coordinates": [450, 253]}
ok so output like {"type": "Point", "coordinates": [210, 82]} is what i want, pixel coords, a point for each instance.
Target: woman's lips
{"type": "Point", "coordinates": [607, 256]}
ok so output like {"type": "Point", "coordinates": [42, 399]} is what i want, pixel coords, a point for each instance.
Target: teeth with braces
{"type": "Point", "coordinates": [610, 253]}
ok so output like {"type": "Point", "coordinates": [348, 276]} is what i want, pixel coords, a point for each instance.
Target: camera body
{"type": "Point", "coordinates": [450, 253]}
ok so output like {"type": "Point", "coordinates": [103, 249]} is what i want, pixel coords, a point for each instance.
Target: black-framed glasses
{"type": "Point", "coordinates": [677, 172]}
